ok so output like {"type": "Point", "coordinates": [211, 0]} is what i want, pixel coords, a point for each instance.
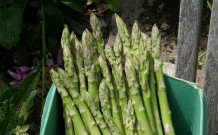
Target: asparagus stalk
{"type": "Point", "coordinates": [96, 114]}
{"type": "Point", "coordinates": [97, 33]}
{"type": "Point", "coordinates": [93, 85]}
{"type": "Point", "coordinates": [117, 71]}
{"type": "Point", "coordinates": [152, 85]}
{"type": "Point", "coordinates": [68, 58]}
{"type": "Point", "coordinates": [72, 43]}
{"type": "Point", "coordinates": [90, 53]}
{"type": "Point", "coordinates": [144, 80]}
{"type": "Point", "coordinates": [162, 93]}
{"type": "Point", "coordinates": [108, 78]}
{"type": "Point", "coordinates": [130, 119]}
{"type": "Point", "coordinates": [136, 98]}
{"type": "Point", "coordinates": [87, 55]}
{"type": "Point", "coordinates": [106, 108]}
{"type": "Point", "coordinates": [80, 103]}
{"type": "Point", "coordinates": [80, 65]}
{"type": "Point", "coordinates": [90, 41]}
{"type": "Point", "coordinates": [123, 33]}
{"type": "Point", "coordinates": [68, 123]}
{"type": "Point", "coordinates": [69, 104]}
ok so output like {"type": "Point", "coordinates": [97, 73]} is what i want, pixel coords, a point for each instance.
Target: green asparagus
{"type": "Point", "coordinates": [106, 108]}
{"type": "Point", "coordinates": [108, 78]}
{"type": "Point", "coordinates": [83, 108]}
{"type": "Point", "coordinates": [162, 94]}
{"type": "Point", "coordinates": [96, 113]}
{"type": "Point", "coordinates": [68, 123]}
{"type": "Point", "coordinates": [69, 104]}
{"type": "Point", "coordinates": [136, 98]}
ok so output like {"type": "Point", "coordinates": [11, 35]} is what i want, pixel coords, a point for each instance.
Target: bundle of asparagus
{"type": "Point", "coordinates": [112, 90]}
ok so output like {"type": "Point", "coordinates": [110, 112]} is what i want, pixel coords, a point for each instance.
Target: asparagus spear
{"type": "Point", "coordinates": [130, 118]}
{"type": "Point", "coordinates": [69, 104]}
{"type": "Point", "coordinates": [89, 40]}
{"type": "Point", "coordinates": [144, 80]}
{"type": "Point", "coordinates": [136, 98]}
{"type": "Point", "coordinates": [108, 78]}
{"type": "Point", "coordinates": [106, 108]}
{"type": "Point", "coordinates": [123, 33]}
{"type": "Point", "coordinates": [96, 114]}
{"type": "Point", "coordinates": [80, 65]}
{"type": "Point", "coordinates": [80, 103]}
{"type": "Point", "coordinates": [97, 33]}
{"type": "Point", "coordinates": [68, 123]}
{"type": "Point", "coordinates": [117, 71]}
{"type": "Point", "coordinates": [68, 58]}
{"type": "Point", "coordinates": [93, 85]}
{"type": "Point", "coordinates": [138, 129]}
{"type": "Point", "coordinates": [72, 43]}
{"type": "Point", "coordinates": [162, 93]}
{"type": "Point", "coordinates": [87, 55]}
{"type": "Point", "coordinates": [152, 85]}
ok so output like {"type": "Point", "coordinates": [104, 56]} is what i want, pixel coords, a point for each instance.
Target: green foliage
{"type": "Point", "coordinates": [11, 17]}
{"type": "Point", "coordinates": [74, 25]}
{"type": "Point", "coordinates": [114, 5]}
{"type": "Point", "coordinates": [3, 86]}
{"type": "Point", "coordinates": [54, 19]}
{"type": "Point", "coordinates": [202, 60]}
{"type": "Point", "coordinates": [72, 4]}
{"type": "Point", "coordinates": [21, 19]}
{"type": "Point", "coordinates": [15, 103]}
{"type": "Point", "coordinates": [20, 130]}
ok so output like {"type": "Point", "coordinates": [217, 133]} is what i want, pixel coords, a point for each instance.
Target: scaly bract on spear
{"type": "Point", "coordinates": [137, 102]}
{"type": "Point", "coordinates": [69, 104]}
{"type": "Point", "coordinates": [106, 108]}
{"type": "Point", "coordinates": [87, 117]}
{"type": "Point", "coordinates": [162, 93]}
{"type": "Point", "coordinates": [108, 78]}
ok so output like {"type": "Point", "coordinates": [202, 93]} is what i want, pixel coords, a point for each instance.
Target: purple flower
{"type": "Point", "coordinates": [20, 74]}
{"type": "Point", "coordinates": [50, 62]}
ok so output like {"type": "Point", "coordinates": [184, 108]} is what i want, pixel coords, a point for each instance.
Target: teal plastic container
{"type": "Point", "coordinates": [187, 103]}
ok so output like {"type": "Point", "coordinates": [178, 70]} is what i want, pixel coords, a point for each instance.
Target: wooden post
{"type": "Point", "coordinates": [188, 39]}
{"type": "Point", "coordinates": [211, 74]}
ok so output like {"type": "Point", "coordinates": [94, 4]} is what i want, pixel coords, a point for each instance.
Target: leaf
{"type": "Point", "coordinates": [54, 19]}
{"type": "Point", "coordinates": [31, 32]}
{"type": "Point", "coordinates": [15, 103]}
{"type": "Point", "coordinates": [3, 87]}
{"type": "Point", "coordinates": [75, 25]}
{"type": "Point", "coordinates": [114, 5]}
{"type": "Point", "coordinates": [35, 3]}
{"type": "Point", "coordinates": [11, 17]}
{"type": "Point", "coordinates": [74, 5]}
{"type": "Point", "coordinates": [20, 130]}
{"type": "Point", "coordinates": [52, 44]}
{"type": "Point", "coordinates": [96, 1]}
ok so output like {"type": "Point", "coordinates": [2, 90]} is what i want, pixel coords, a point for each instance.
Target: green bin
{"type": "Point", "coordinates": [187, 103]}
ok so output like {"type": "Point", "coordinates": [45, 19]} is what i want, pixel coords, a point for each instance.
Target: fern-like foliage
{"type": "Point", "coordinates": [15, 103]}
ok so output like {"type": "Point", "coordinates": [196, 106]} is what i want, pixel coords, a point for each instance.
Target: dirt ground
{"type": "Point", "coordinates": [165, 14]}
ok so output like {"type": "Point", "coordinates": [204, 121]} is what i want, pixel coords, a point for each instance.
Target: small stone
{"type": "Point", "coordinates": [164, 26]}
{"type": "Point", "coordinates": [147, 18]}
{"type": "Point", "coordinates": [148, 27]}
